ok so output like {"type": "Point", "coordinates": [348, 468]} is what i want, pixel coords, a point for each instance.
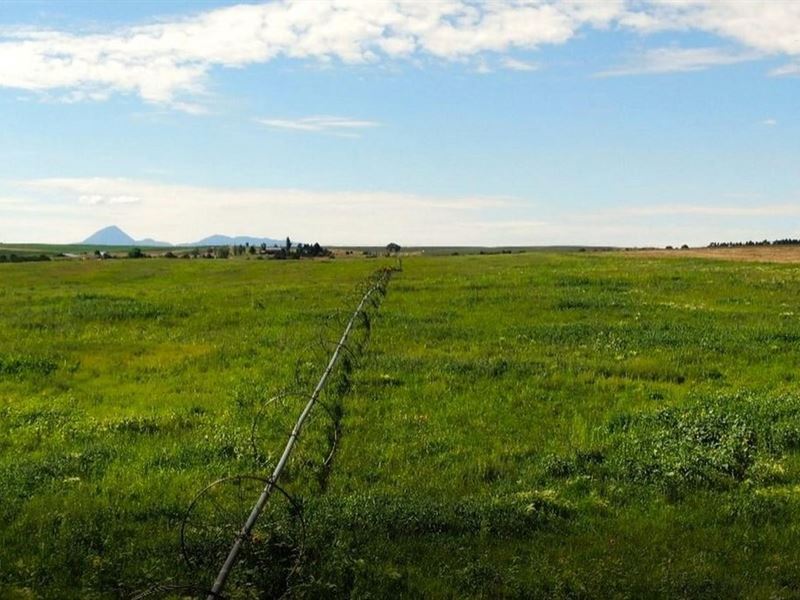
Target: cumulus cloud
{"type": "Point", "coordinates": [675, 60]}
{"type": "Point", "coordinates": [342, 126]}
{"type": "Point", "coordinates": [767, 27]}
{"type": "Point", "coordinates": [169, 62]}
{"type": "Point", "coordinates": [164, 62]}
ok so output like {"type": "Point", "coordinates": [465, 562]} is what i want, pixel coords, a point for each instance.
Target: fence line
{"type": "Point", "coordinates": [378, 286]}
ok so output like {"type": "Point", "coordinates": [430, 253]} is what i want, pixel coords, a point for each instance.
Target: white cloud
{"type": "Point", "coordinates": [767, 27]}
{"type": "Point", "coordinates": [169, 62]}
{"type": "Point", "coordinates": [321, 124]}
{"type": "Point", "coordinates": [769, 122]}
{"type": "Point", "coordinates": [166, 62]}
{"type": "Point", "coordinates": [675, 60]}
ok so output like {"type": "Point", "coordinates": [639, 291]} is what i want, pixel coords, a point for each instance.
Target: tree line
{"type": "Point", "coordinates": [781, 242]}
{"type": "Point", "coordinates": [17, 258]}
{"type": "Point", "coordinates": [288, 251]}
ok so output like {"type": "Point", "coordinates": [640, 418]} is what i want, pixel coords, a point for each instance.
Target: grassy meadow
{"type": "Point", "coordinates": [562, 424]}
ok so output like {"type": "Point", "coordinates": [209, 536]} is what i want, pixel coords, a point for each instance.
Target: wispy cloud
{"type": "Point", "coordinates": [514, 64]}
{"type": "Point", "coordinates": [769, 122]}
{"type": "Point", "coordinates": [761, 210]}
{"type": "Point", "coordinates": [53, 210]}
{"type": "Point", "coordinates": [182, 213]}
{"type": "Point", "coordinates": [99, 199]}
{"type": "Point", "coordinates": [676, 60]}
{"type": "Point", "coordinates": [343, 126]}
{"type": "Point", "coordinates": [482, 67]}
{"type": "Point", "coordinates": [787, 70]}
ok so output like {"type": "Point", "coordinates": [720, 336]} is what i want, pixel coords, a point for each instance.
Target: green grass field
{"type": "Point", "coordinates": [574, 425]}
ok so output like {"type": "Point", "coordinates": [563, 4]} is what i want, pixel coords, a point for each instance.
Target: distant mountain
{"type": "Point", "coordinates": [239, 240]}
{"type": "Point", "coordinates": [114, 236]}
{"type": "Point", "coordinates": [110, 236]}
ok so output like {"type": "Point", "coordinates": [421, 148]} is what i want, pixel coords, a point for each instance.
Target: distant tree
{"type": "Point", "coordinates": [393, 248]}
{"type": "Point", "coordinates": [288, 245]}
{"type": "Point", "coordinates": [311, 250]}
{"type": "Point", "coordinates": [251, 249]}
{"type": "Point", "coordinates": [222, 252]}
{"type": "Point", "coordinates": [136, 253]}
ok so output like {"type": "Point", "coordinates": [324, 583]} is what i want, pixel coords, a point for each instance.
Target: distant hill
{"type": "Point", "coordinates": [239, 240]}
{"type": "Point", "coordinates": [114, 236]}
{"type": "Point", "coordinates": [152, 242]}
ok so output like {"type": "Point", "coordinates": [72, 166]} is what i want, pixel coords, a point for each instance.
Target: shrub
{"type": "Point", "coordinates": [717, 443]}
{"type": "Point", "coordinates": [19, 365]}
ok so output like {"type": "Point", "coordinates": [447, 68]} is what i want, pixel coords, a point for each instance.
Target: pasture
{"type": "Point", "coordinates": [560, 424]}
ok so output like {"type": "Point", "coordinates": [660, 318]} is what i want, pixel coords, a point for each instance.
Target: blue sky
{"type": "Point", "coordinates": [541, 122]}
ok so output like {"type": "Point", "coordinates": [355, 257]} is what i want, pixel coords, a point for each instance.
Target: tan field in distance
{"type": "Point", "coordinates": [775, 254]}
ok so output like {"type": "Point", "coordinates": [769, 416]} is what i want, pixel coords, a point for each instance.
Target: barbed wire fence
{"type": "Point", "coordinates": [266, 547]}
